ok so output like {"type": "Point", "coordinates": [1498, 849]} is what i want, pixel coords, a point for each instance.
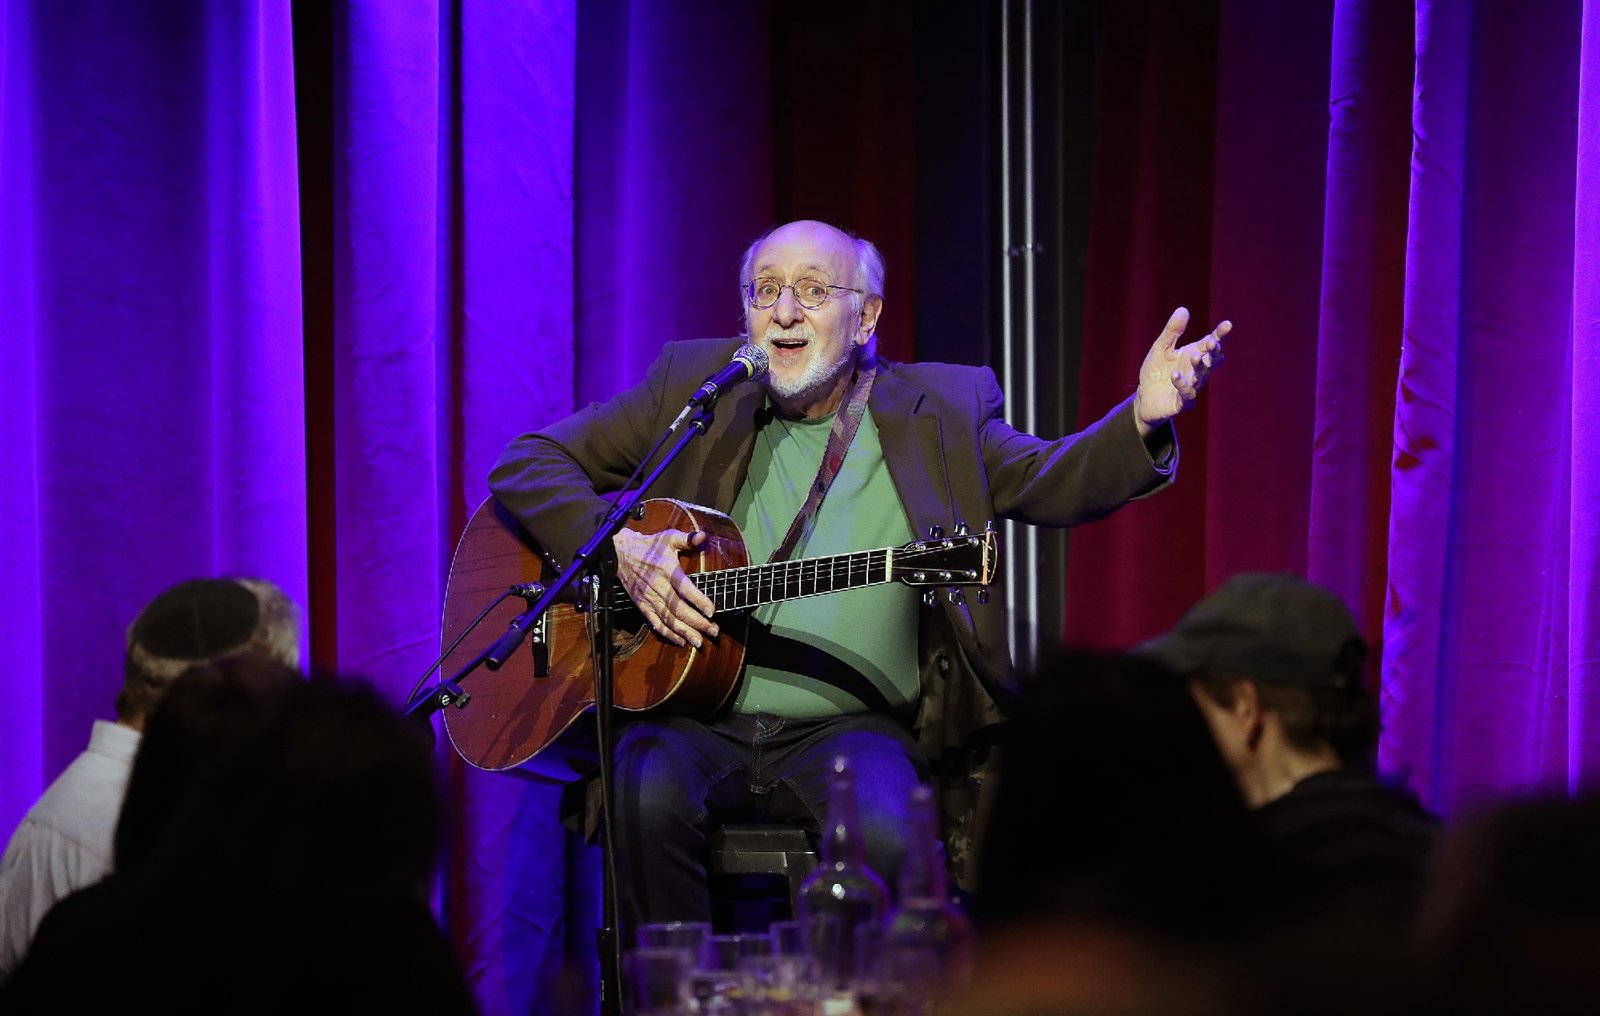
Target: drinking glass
{"type": "Point", "coordinates": [779, 985]}
{"type": "Point", "coordinates": [788, 938]}
{"type": "Point", "coordinates": [690, 936]}
{"type": "Point", "coordinates": [657, 981]}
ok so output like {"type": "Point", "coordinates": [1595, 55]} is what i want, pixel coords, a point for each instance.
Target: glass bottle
{"type": "Point", "coordinates": [843, 894]}
{"type": "Point", "coordinates": [928, 941]}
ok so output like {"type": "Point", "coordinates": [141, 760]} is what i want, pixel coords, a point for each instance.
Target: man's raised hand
{"type": "Point", "coordinates": [1171, 376]}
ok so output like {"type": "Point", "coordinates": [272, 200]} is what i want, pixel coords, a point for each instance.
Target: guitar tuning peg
{"type": "Point", "coordinates": [983, 595]}
{"type": "Point", "coordinates": [930, 598]}
{"type": "Point", "coordinates": [961, 529]}
{"type": "Point", "coordinates": [935, 532]}
{"type": "Point", "coordinates": [958, 598]}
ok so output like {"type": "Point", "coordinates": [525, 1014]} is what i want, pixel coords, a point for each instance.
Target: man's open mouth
{"type": "Point", "coordinates": [790, 343]}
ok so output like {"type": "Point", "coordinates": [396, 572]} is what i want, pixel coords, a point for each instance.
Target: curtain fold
{"type": "Point", "coordinates": [1426, 394]}
{"type": "Point", "coordinates": [1399, 217]}
{"type": "Point", "coordinates": [1583, 578]}
{"type": "Point", "coordinates": [675, 165]}
{"type": "Point", "coordinates": [1358, 330]}
{"type": "Point", "coordinates": [1266, 264]}
{"type": "Point", "coordinates": [1476, 625]}
{"type": "Point", "coordinates": [1150, 225]}
{"type": "Point", "coordinates": [155, 418]}
{"type": "Point", "coordinates": [388, 297]}
{"type": "Point", "coordinates": [475, 299]}
{"type": "Point", "coordinates": [514, 903]}
{"type": "Point", "coordinates": [22, 743]}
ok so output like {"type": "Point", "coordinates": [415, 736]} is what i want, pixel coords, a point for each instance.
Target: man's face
{"type": "Point", "coordinates": [1230, 725]}
{"type": "Point", "coordinates": [811, 352]}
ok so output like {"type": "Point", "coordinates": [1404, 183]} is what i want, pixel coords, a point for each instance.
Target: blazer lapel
{"type": "Point", "coordinates": [913, 449]}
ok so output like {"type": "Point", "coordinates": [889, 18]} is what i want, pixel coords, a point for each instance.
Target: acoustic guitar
{"type": "Point", "coordinates": [517, 716]}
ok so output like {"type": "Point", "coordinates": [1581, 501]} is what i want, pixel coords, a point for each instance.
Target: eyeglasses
{"type": "Point", "coordinates": [808, 293]}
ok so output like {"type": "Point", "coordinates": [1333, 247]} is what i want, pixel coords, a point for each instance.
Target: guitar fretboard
{"type": "Point", "coordinates": [963, 561]}
{"type": "Point", "coordinates": [759, 584]}
{"type": "Point", "coordinates": [755, 585]}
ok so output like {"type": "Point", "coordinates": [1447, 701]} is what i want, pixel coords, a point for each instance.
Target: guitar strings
{"type": "Point", "coordinates": [754, 585]}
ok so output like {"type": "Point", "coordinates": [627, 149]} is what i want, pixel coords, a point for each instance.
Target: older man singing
{"type": "Point", "coordinates": [835, 451]}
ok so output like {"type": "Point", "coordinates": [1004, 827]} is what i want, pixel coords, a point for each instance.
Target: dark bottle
{"type": "Point", "coordinates": [927, 940]}
{"type": "Point", "coordinates": [843, 901]}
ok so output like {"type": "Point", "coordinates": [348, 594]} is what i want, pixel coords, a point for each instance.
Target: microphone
{"type": "Point", "coordinates": [749, 363]}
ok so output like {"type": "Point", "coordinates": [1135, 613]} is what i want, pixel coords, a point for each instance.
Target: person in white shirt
{"type": "Point", "coordinates": [65, 841]}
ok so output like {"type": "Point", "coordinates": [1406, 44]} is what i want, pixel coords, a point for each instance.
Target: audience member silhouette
{"type": "Point", "coordinates": [1510, 920]}
{"type": "Point", "coordinates": [290, 875]}
{"type": "Point", "coordinates": [204, 716]}
{"type": "Point", "coordinates": [1276, 664]}
{"type": "Point", "coordinates": [1114, 804]}
{"type": "Point", "coordinates": [65, 841]}
{"type": "Point", "coordinates": [1119, 853]}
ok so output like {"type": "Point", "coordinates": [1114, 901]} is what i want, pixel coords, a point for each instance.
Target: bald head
{"type": "Point", "coordinates": [859, 263]}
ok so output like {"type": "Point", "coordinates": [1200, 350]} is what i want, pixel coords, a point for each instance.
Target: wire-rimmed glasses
{"type": "Point", "coordinates": [808, 293]}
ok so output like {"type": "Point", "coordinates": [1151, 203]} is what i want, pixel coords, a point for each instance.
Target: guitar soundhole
{"type": "Point", "coordinates": [626, 642]}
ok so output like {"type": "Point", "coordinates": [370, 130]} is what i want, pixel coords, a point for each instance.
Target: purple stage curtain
{"type": "Point", "coordinates": [453, 313]}
{"type": "Point", "coordinates": [1490, 622]}
{"type": "Point", "coordinates": [1397, 208]}
{"type": "Point", "coordinates": [156, 422]}
{"type": "Point", "coordinates": [476, 297]}
{"type": "Point", "coordinates": [150, 319]}
{"type": "Point", "coordinates": [1358, 329]}
{"type": "Point", "coordinates": [1149, 233]}
{"type": "Point", "coordinates": [23, 731]}
{"type": "Point", "coordinates": [1583, 551]}
{"type": "Point", "coordinates": [675, 171]}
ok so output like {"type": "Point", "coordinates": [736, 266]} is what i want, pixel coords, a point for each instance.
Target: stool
{"type": "Point", "coordinates": [755, 874]}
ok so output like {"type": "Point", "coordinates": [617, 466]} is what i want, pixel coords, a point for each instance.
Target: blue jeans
{"type": "Point", "coordinates": [677, 780]}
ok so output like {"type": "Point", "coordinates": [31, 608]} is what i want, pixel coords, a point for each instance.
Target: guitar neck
{"type": "Point", "coordinates": [960, 560]}
{"type": "Point", "coordinates": [755, 585]}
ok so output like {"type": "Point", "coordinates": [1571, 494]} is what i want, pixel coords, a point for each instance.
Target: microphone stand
{"type": "Point", "coordinates": [449, 692]}
{"type": "Point", "coordinates": [597, 560]}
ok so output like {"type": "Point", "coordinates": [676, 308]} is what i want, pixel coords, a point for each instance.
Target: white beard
{"type": "Point", "coordinates": [819, 374]}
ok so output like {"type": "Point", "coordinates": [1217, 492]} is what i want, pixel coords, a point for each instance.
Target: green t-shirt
{"type": "Point", "coordinates": [836, 653]}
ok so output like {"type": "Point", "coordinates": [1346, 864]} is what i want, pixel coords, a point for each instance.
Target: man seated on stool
{"type": "Point", "coordinates": [873, 674]}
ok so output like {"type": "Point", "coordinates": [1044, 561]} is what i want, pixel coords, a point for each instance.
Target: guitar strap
{"type": "Point", "coordinates": [839, 440]}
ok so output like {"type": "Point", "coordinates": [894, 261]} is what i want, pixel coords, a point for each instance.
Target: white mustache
{"type": "Point", "coordinates": [804, 332]}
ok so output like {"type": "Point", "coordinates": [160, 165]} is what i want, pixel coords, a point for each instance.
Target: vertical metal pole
{"type": "Point", "coordinates": [1029, 338]}
{"type": "Point", "coordinates": [1019, 303]}
{"type": "Point", "coordinates": [1007, 268]}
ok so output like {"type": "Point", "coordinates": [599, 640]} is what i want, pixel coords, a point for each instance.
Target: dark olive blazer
{"type": "Point", "coordinates": [952, 459]}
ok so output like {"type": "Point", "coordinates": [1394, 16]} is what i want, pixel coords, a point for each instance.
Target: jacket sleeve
{"type": "Point", "coordinates": [1074, 479]}
{"type": "Point", "coordinates": [553, 480]}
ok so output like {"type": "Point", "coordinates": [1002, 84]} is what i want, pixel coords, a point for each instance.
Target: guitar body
{"type": "Point", "coordinates": [527, 714]}
{"type": "Point", "coordinates": [515, 715]}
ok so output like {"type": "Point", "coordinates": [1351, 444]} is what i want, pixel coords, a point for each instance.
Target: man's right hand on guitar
{"type": "Point", "coordinates": [650, 571]}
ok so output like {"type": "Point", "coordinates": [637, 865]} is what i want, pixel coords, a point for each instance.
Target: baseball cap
{"type": "Point", "coordinates": [1271, 628]}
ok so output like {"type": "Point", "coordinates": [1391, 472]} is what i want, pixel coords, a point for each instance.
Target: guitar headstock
{"type": "Point", "coordinates": [960, 559]}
